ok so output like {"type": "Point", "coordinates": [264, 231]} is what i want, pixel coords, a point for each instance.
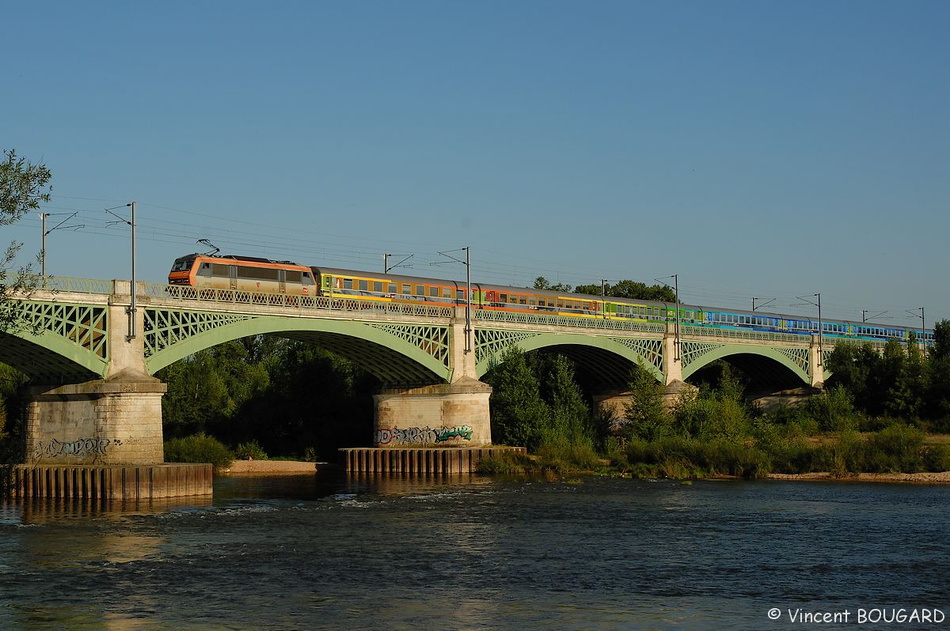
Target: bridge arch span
{"type": "Point", "coordinates": [770, 366]}
{"type": "Point", "coordinates": [609, 359]}
{"type": "Point", "coordinates": [51, 358]}
{"type": "Point", "coordinates": [392, 353]}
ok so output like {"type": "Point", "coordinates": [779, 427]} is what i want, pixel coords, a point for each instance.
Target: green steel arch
{"type": "Point", "coordinates": [698, 355]}
{"type": "Point", "coordinates": [65, 343]}
{"type": "Point", "coordinates": [400, 354]}
{"type": "Point", "coordinates": [610, 357]}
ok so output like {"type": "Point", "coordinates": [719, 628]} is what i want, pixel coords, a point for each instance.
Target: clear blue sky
{"type": "Point", "coordinates": [768, 149]}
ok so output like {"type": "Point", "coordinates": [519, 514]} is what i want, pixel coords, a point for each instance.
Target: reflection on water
{"type": "Point", "coordinates": [330, 551]}
{"type": "Point", "coordinates": [36, 511]}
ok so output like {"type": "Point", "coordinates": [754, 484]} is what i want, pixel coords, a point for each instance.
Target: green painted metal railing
{"type": "Point", "coordinates": [489, 315]}
{"type": "Point", "coordinates": [76, 285]}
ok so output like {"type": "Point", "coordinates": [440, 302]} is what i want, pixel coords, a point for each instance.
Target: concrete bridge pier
{"type": "Point", "coordinates": [107, 421]}
{"type": "Point", "coordinates": [816, 369]}
{"type": "Point", "coordinates": [102, 439]}
{"type": "Point", "coordinates": [115, 420]}
{"type": "Point", "coordinates": [442, 415]}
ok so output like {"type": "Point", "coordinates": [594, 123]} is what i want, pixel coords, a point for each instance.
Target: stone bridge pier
{"type": "Point", "coordinates": [455, 414]}
{"type": "Point", "coordinates": [110, 421]}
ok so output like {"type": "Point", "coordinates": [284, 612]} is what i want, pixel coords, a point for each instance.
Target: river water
{"type": "Point", "coordinates": [331, 552]}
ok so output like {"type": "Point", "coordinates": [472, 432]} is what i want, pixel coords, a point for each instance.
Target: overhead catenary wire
{"type": "Point", "coordinates": [181, 228]}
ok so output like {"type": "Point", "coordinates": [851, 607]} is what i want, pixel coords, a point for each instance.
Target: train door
{"type": "Point", "coordinates": [282, 281]}
{"type": "Point", "coordinates": [232, 276]}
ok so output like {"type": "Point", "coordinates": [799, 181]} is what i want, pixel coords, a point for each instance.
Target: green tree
{"type": "Point", "coordinates": [629, 289]}
{"type": "Point", "coordinates": [941, 347]}
{"type": "Point", "coordinates": [718, 413]}
{"type": "Point", "coordinates": [570, 420]}
{"type": "Point", "coordinates": [542, 283]}
{"type": "Point", "coordinates": [12, 384]}
{"type": "Point", "coordinates": [23, 186]}
{"type": "Point", "coordinates": [519, 415]}
{"type": "Point", "coordinates": [858, 369]}
{"type": "Point", "coordinates": [206, 390]}
{"type": "Point", "coordinates": [646, 415]}
{"type": "Point", "coordinates": [937, 399]}
{"type": "Point", "coordinates": [317, 401]}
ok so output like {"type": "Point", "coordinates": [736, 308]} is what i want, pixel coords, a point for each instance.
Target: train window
{"type": "Point", "coordinates": [391, 288]}
{"type": "Point", "coordinates": [531, 301]}
{"type": "Point", "coordinates": [219, 270]}
{"type": "Point", "coordinates": [434, 292]}
{"type": "Point", "coordinates": [306, 278]}
{"type": "Point", "coordinates": [378, 286]}
{"type": "Point", "coordinates": [420, 290]}
{"type": "Point", "coordinates": [259, 273]}
{"type": "Point", "coordinates": [502, 297]}
{"type": "Point", "coordinates": [406, 289]}
{"type": "Point", "coordinates": [347, 283]}
{"type": "Point", "coordinates": [363, 285]}
{"type": "Point", "coordinates": [292, 276]}
{"type": "Point", "coordinates": [460, 294]}
{"type": "Point", "coordinates": [446, 292]}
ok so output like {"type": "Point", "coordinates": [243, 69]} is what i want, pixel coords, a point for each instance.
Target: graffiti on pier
{"type": "Point", "coordinates": [423, 435]}
{"type": "Point", "coordinates": [81, 448]}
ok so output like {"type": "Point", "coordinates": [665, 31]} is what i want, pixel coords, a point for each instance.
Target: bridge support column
{"type": "Point", "coordinates": [116, 420]}
{"type": "Point", "coordinates": [672, 357]}
{"type": "Point", "coordinates": [816, 368]}
{"type": "Point", "coordinates": [443, 415]}
{"type": "Point", "coordinates": [108, 421]}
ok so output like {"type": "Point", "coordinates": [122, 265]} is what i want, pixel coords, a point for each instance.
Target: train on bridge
{"type": "Point", "coordinates": [244, 273]}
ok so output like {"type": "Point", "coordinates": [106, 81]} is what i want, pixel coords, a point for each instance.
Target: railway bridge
{"type": "Point", "coordinates": [91, 349]}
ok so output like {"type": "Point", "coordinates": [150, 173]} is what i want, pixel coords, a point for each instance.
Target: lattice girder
{"type": "Point", "coordinates": [396, 353]}
{"type": "Point", "coordinates": [64, 342]}
{"type": "Point", "coordinates": [697, 355]}
{"type": "Point", "coordinates": [610, 358]}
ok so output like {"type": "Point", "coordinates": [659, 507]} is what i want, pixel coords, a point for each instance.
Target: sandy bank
{"type": "Point", "coordinates": [942, 477]}
{"type": "Point", "coordinates": [270, 467]}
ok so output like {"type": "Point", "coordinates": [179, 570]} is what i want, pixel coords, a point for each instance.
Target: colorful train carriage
{"type": "Point", "coordinates": [334, 282]}
{"type": "Point", "coordinates": [242, 273]}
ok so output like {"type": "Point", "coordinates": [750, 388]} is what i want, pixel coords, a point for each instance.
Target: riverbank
{"type": "Point", "coordinates": [291, 467]}
{"type": "Point", "coordinates": [271, 467]}
{"type": "Point", "coordinates": [942, 477]}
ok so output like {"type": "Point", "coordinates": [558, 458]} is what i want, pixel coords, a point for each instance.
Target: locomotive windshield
{"type": "Point", "coordinates": [183, 264]}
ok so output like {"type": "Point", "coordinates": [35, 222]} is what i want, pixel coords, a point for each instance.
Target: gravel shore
{"type": "Point", "coordinates": [287, 467]}
{"type": "Point", "coordinates": [942, 477]}
{"type": "Point", "coordinates": [269, 467]}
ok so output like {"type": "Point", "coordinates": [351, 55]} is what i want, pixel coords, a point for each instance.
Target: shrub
{"type": "Point", "coordinates": [937, 458]}
{"type": "Point", "coordinates": [250, 451]}
{"type": "Point", "coordinates": [832, 409]}
{"type": "Point", "coordinates": [569, 457]}
{"type": "Point", "coordinates": [506, 462]}
{"type": "Point", "coordinates": [199, 448]}
{"type": "Point", "coordinates": [897, 448]}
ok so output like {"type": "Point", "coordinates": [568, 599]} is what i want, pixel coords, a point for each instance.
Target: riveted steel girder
{"type": "Point", "coordinates": [610, 359]}
{"type": "Point", "coordinates": [403, 354]}
{"type": "Point", "coordinates": [771, 365]}
{"type": "Point", "coordinates": [64, 343]}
